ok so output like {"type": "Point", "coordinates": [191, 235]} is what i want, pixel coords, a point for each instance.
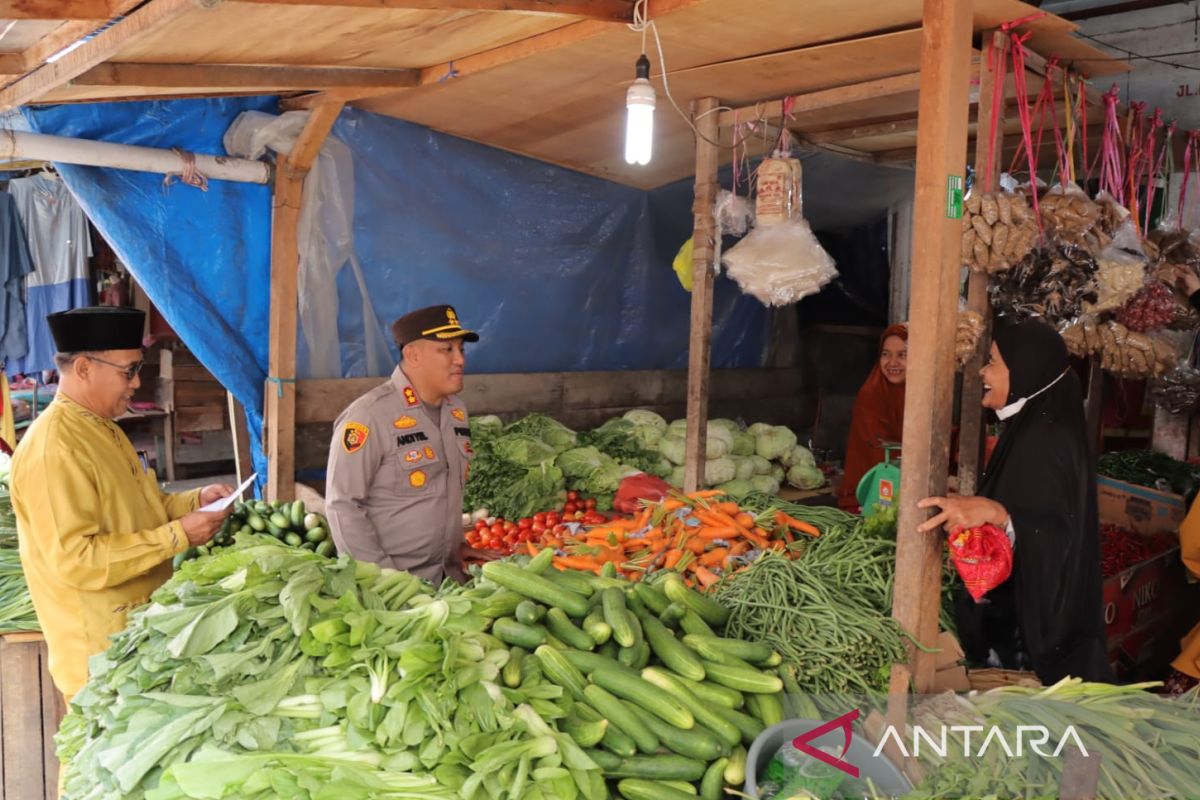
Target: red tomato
{"type": "Point", "coordinates": [590, 503]}
{"type": "Point", "coordinates": [572, 496]}
{"type": "Point", "coordinates": [525, 524]}
{"type": "Point", "coordinates": [498, 530]}
{"type": "Point", "coordinates": [509, 527]}
{"type": "Point", "coordinates": [552, 519]}
{"type": "Point", "coordinates": [540, 517]}
{"type": "Point", "coordinates": [538, 527]}
{"type": "Point", "coordinates": [570, 508]}
{"type": "Point", "coordinates": [480, 524]}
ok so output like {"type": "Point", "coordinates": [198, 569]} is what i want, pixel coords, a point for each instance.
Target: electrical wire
{"type": "Point", "coordinates": [1157, 58]}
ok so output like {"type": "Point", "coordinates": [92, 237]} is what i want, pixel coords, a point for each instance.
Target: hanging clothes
{"type": "Point", "coordinates": [15, 264]}
{"type": "Point", "coordinates": [57, 231]}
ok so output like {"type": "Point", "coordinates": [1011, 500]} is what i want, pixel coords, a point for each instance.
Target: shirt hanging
{"type": "Point", "coordinates": [15, 264]}
{"type": "Point", "coordinates": [57, 232]}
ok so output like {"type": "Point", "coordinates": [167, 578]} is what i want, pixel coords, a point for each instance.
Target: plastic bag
{"type": "Point", "coordinates": [780, 264]}
{"type": "Point", "coordinates": [636, 488]}
{"type": "Point", "coordinates": [983, 558]}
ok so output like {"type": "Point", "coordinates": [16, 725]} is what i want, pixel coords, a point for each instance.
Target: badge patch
{"type": "Point", "coordinates": [467, 448]}
{"type": "Point", "coordinates": [405, 422]}
{"type": "Point", "coordinates": [417, 478]}
{"type": "Point", "coordinates": [459, 414]}
{"type": "Point", "coordinates": [354, 436]}
{"type": "Point", "coordinates": [412, 456]}
{"type": "Point", "coordinates": [410, 438]}
{"type": "Point", "coordinates": [410, 396]}
{"type": "Point", "coordinates": [429, 454]}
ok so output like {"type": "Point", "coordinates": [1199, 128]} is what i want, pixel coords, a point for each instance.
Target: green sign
{"type": "Point", "coordinates": [954, 197]}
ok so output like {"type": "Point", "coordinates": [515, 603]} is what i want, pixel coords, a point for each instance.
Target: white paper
{"type": "Point", "coordinates": [226, 502]}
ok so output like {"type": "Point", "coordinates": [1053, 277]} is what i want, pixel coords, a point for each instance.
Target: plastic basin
{"type": "Point", "coordinates": [888, 780]}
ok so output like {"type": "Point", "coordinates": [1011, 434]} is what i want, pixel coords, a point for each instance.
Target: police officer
{"type": "Point", "coordinates": [400, 453]}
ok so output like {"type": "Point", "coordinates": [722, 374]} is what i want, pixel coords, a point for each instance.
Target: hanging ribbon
{"type": "Point", "coordinates": [1018, 68]}
{"type": "Point", "coordinates": [998, 63]}
{"type": "Point", "coordinates": [1145, 171]}
{"type": "Point", "coordinates": [1069, 110]}
{"type": "Point", "coordinates": [1189, 154]}
{"type": "Point", "coordinates": [1111, 146]}
{"type": "Point", "coordinates": [1157, 172]}
{"type": "Point", "coordinates": [734, 148]}
{"type": "Point", "coordinates": [1133, 156]}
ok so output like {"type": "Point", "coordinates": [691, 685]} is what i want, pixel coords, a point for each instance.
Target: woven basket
{"type": "Point", "coordinates": [985, 679]}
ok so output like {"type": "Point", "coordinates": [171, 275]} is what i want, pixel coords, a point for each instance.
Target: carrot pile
{"type": "Point", "coordinates": [699, 535]}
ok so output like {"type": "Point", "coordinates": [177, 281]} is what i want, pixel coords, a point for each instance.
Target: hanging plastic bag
{"type": "Point", "coordinates": [983, 558]}
{"type": "Point", "coordinates": [684, 265]}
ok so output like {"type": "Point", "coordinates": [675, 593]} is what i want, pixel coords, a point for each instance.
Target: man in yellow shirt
{"type": "Point", "coordinates": [1186, 672]}
{"type": "Point", "coordinates": [96, 534]}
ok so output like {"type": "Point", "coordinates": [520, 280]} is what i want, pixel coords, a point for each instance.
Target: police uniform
{"type": "Point", "coordinates": [96, 534]}
{"type": "Point", "coordinates": [397, 468]}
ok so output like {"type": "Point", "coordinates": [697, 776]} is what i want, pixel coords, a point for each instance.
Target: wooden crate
{"type": "Point", "coordinates": [30, 712]}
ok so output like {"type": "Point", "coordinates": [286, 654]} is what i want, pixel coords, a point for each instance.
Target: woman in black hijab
{"type": "Point", "coordinates": [1040, 486]}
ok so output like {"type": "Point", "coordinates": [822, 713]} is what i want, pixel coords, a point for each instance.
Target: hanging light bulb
{"type": "Point", "coordinates": [639, 124]}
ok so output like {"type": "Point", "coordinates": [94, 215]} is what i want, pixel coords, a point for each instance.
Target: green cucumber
{"type": "Point", "coordinates": [327, 549]}
{"type": "Point", "coordinates": [636, 657]}
{"type": "Point", "coordinates": [293, 539]}
{"type": "Point", "coordinates": [256, 522]}
{"type": "Point", "coordinates": [609, 649]}
{"type": "Point", "coordinates": [713, 694]}
{"type": "Point", "coordinates": [587, 662]}
{"type": "Point", "coordinates": [708, 650]}
{"type": "Point", "coordinates": [536, 587]}
{"type": "Point", "coordinates": [634, 604]}
{"type": "Point", "coordinates": [617, 742]}
{"type": "Point", "coordinates": [586, 733]}
{"type": "Point", "coordinates": [562, 627]}
{"type": "Point", "coordinates": [530, 613]}
{"type": "Point", "coordinates": [511, 674]}
{"type": "Point", "coordinates": [609, 570]}
{"type": "Point", "coordinates": [709, 610]}
{"type": "Point", "coordinates": [767, 708]}
{"type": "Point", "coordinates": [752, 652]}
{"type": "Point", "coordinates": [633, 688]}
{"type": "Point", "coordinates": [621, 716]}
{"type": "Point", "coordinates": [799, 705]}
{"type": "Point", "coordinates": [570, 580]}
{"type": "Point", "coordinates": [595, 627]}
{"type": "Point", "coordinates": [640, 789]}
{"type": "Point", "coordinates": [743, 679]}
{"type": "Point", "coordinates": [561, 672]}
{"type": "Point", "coordinates": [747, 725]}
{"type": "Point", "coordinates": [725, 730]}
{"type": "Point", "coordinates": [651, 597]}
{"type": "Point", "coordinates": [691, 623]}
{"type": "Point", "coordinates": [682, 786]}
{"type": "Point", "coordinates": [672, 614]}
{"type": "Point", "coordinates": [606, 759]}
{"type": "Point", "coordinates": [659, 767]}
{"type": "Point", "coordinates": [540, 563]}
{"type": "Point", "coordinates": [618, 618]}
{"type": "Point", "coordinates": [280, 521]}
{"type": "Point", "coordinates": [316, 535]}
{"type": "Point", "coordinates": [511, 632]}
{"type": "Point", "coordinates": [773, 660]}
{"type": "Point", "coordinates": [712, 785]}
{"type": "Point", "coordinates": [694, 743]}
{"type": "Point", "coordinates": [670, 651]}
{"type": "Point", "coordinates": [296, 517]}
{"type": "Point", "coordinates": [735, 770]}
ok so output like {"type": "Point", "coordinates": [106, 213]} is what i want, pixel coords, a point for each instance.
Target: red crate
{"type": "Point", "coordinates": [1142, 594]}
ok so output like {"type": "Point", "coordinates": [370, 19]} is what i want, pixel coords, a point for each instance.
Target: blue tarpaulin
{"type": "Point", "coordinates": [555, 269]}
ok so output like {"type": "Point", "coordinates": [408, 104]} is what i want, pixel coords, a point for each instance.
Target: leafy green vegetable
{"type": "Point", "coordinates": [617, 440]}
{"type": "Point", "coordinates": [523, 449]}
{"type": "Point", "coordinates": [487, 426]}
{"type": "Point", "coordinates": [644, 417]}
{"type": "Point", "coordinates": [550, 431]}
{"type": "Point", "coordinates": [805, 476]}
{"type": "Point", "coordinates": [580, 462]}
{"type": "Point", "coordinates": [773, 443]}
{"type": "Point", "coordinates": [510, 489]}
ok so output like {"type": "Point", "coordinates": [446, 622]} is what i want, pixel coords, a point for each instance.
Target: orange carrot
{"type": "Point", "coordinates": [696, 545]}
{"type": "Point", "coordinates": [705, 494]}
{"type": "Point", "coordinates": [672, 505]}
{"type": "Point", "coordinates": [796, 524]}
{"type": "Point", "coordinates": [722, 532]}
{"type": "Point", "coordinates": [714, 557]}
{"type": "Point", "coordinates": [576, 562]}
{"type": "Point", "coordinates": [738, 548]}
{"type": "Point", "coordinates": [672, 558]}
{"type": "Point", "coordinates": [532, 548]}
{"type": "Point", "coordinates": [706, 577]}
{"type": "Point", "coordinates": [732, 509]}
{"type": "Point", "coordinates": [744, 520]}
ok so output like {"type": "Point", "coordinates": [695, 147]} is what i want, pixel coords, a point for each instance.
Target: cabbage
{"type": "Point", "coordinates": [645, 417]}
{"type": "Point", "coordinates": [678, 426]}
{"type": "Point", "coordinates": [522, 449]}
{"type": "Point", "coordinates": [607, 478]}
{"type": "Point", "coordinates": [761, 465]}
{"type": "Point", "coordinates": [486, 426]}
{"type": "Point", "coordinates": [580, 462]}
{"type": "Point", "coordinates": [743, 444]}
{"type": "Point", "coordinates": [765, 484]}
{"type": "Point", "coordinates": [774, 443]}
{"type": "Point", "coordinates": [758, 429]}
{"type": "Point", "coordinates": [727, 424]}
{"type": "Point", "coordinates": [737, 489]}
{"type": "Point", "coordinates": [805, 476]}
{"type": "Point", "coordinates": [745, 467]}
{"type": "Point", "coordinates": [718, 471]}
{"type": "Point", "coordinates": [778, 473]}
{"type": "Point", "coordinates": [675, 478]}
{"type": "Point", "coordinates": [648, 435]}
{"type": "Point", "coordinates": [718, 443]}
{"type": "Point", "coordinates": [798, 455]}
{"type": "Point", "coordinates": [673, 448]}
{"type": "Point", "coordinates": [664, 468]}
{"type": "Point", "coordinates": [550, 431]}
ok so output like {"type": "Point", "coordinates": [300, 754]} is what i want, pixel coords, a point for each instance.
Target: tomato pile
{"type": "Point", "coordinates": [505, 536]}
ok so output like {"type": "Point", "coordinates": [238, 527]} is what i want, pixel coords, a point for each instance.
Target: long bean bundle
{"type": "Point", "coordinates": [16, 609]}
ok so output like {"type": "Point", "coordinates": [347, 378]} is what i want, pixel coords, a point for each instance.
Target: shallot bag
{"type": "Point", "coordinates": [639, 487]}
{"type": "Point", "coordinates": [982, 556]}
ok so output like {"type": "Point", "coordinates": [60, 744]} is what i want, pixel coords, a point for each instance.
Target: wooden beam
{"type": "Point", "coordinates": [147, 19]}
{"type": "Point", "coordinates": [853, 132]}
{"type": "Point", "coordinates": [703, 255]}
{"type": "Point", "coordinates": [237, 76]}
{"type": "Point", "coordinates": [603, 10]}
{"type": "Point", "coordinates": [96, 10]}
{"type": "Point", "coordinates": [936, 264]}
{"type": "Point", "coordinates": [13, 64]}
{"type": "Point", "coordinates": [826, 98]}
{"type": "Point", "coordinates": [496, 57]}
{"type": "Point", "coordinates": [970, 437]}
{"type": "Point", "coordinates": [280, 389]}
{"type": "Point", "coordinates": [243, 465]}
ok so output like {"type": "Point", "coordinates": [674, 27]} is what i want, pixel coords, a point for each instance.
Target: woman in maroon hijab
{"type": "Point", "coordinates": [878, 413]}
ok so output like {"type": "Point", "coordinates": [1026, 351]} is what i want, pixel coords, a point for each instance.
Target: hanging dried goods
{"type": "Point", "coordinates": [1052, 283]}
{"type": "Point", "coordinates": [1071, 218]}
{"type": "Point", "coordinates": [1152, 308]}
{"type": "Point", "coordinates": [967, 336]}
{"type": "Point", "coordinates": [1178, 391]}
{"type": "Point", "coordinates": [1123, 352]}
{"type": "Point", "coordinates": [998, 230]}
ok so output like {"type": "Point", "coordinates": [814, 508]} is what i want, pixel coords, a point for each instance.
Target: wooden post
{"type": "Point", "coordinates": [243, 465]}
{"type": "Point", "coordinates": [1094, 403]}
{"type": "Point", "coordinates": [970, 433]}
{"type": "Point", "coordinates": [936, 263]}
{"type": "Point", "coordinates": [704, 252]}
{"type": "Point", "coordinates": [280, 390]}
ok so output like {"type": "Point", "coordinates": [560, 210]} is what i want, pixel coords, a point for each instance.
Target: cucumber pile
{"type": "Point", "coordinates": [658, 697]}
{"type": "Point", "coordinates": [290, 523]}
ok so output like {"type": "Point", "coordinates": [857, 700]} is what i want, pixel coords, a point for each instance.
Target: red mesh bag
{"type": "Point", "coordinates": [639, 487]}
{"type": "Point", "coordinates": [982, 556]}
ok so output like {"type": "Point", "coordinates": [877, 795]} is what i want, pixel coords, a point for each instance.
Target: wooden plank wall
{"type": "Point", "coordinates": [577, 399]}
{"type": "Point", "coordinates": [30, 712]}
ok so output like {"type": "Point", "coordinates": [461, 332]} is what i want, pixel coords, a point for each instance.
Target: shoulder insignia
{"type": "Point", "coordinates": [417, 478]}
{"type": "Point", "coordinates": [429, 454]}
{"type": "Point", "coordinates": [412, 456]}
{"type": "Point", "coordinates": [354, 436]}
{"type": "Point", "coordinates": [410, 397]}
{"type": "Point", "coordinates": [405, 422]}
{"type": "Point", "coordinates": [459, 414]}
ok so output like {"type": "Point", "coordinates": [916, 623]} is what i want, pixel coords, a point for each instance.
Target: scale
{"type": "Point", "coordinates": [881, 484]}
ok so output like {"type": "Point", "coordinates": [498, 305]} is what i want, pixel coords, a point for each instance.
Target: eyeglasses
{"type": "Point", "coordinates": [129, 371]}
